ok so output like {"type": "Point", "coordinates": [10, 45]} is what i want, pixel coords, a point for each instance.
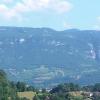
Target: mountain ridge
{"type": "Point", "coordinates": [47, 57]}
{"type": "Point", "coordinates": [70, 29]}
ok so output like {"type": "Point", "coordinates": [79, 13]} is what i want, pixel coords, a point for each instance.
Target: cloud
{"type": "Point", "coordinates": [31, 6]}
{"type": "Point", "coordinates": [8, 13]}
{"type": "Point", "coordinates": [56, 5]}
{"type": "Point", "coordinates": [3, 8]}
{"type": "Point", "coordinates": [61, 6]}
{"type": "Point", "coordinates": [7, 1]}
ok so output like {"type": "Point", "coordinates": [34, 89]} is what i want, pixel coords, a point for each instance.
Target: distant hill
{"type": "Point", "coordinates": [46, 57]}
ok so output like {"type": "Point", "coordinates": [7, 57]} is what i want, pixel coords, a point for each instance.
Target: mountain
{"type": "Point", "coordinates": [46, 57]}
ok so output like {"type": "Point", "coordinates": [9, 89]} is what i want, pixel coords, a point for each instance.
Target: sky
{"type": "Point", "coordinates": [56, 14]}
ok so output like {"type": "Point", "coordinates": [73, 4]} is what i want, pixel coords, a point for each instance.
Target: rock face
{"type": "Point", "coordinates": [45, 57]}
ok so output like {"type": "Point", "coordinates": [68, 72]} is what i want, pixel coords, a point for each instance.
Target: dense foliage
{"type": "Point", "coordinates": [66, 91]}
{"type": "Point", "coordinates": [6, 90]}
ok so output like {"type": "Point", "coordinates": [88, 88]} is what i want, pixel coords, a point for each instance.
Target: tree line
{"type": "Point", "coordinates": [66, 91]}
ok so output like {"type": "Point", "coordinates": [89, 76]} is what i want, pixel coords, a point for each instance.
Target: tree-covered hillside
{"type": "Point", "coordinates": [50, 57]}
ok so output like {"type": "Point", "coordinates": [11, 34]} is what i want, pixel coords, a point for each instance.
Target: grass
{"type": "Point", "coordinates": [29, 95]}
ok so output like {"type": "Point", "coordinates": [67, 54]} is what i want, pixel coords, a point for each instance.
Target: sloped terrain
{"type": "Point", "coordinates": [45, 57]}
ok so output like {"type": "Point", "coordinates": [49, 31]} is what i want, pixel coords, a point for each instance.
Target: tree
{"type": "Point", "coordinates": [67, 87]}
{"type": "Point", "coordinates": [96, 87]}
{"type": "Point", "coordinates": [21, 86]}
{"type": "Point", "coordinates": [6, 91]}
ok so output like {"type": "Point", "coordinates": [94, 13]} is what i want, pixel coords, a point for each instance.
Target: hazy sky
{"type": "Point", "coordinates": [56, 14]}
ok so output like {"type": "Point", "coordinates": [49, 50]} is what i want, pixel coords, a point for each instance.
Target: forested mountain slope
{"type": "Point", "coordinates": [45, 57]}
